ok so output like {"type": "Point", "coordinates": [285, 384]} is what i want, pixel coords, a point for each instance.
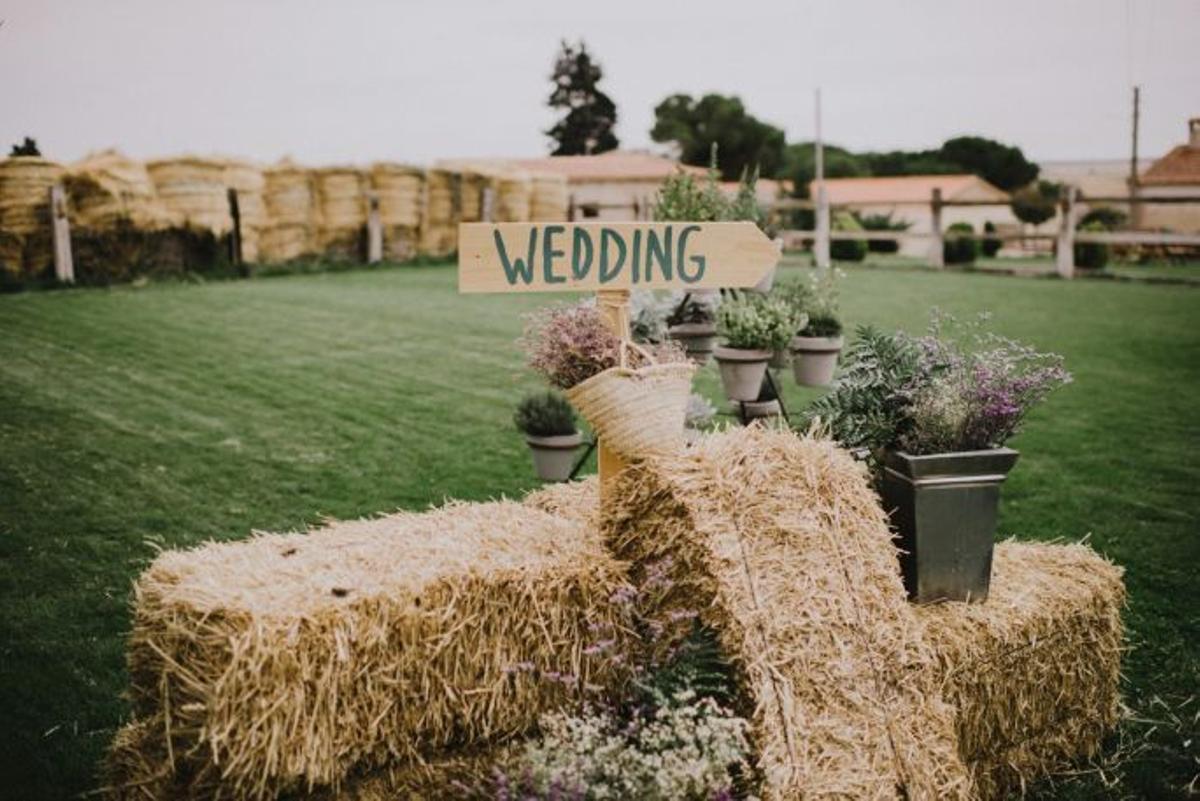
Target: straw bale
{"type": "Point", "coordinates": [106, 188]}
{"type": "Point", "coordinates": [514, 195]}
{"type": "Point", "coordinates": [25, 183]}
{"type": "Point", "coordinates": [289, 660]}
{"type": "Point", "coordinates": [288, 195]}
{"type": "Point", "coordinates": [576, 501]}
{"type": "Point", "coordinates": [781, 546]}
{"type": "Point", "coordinates": [550, 198]}
{"type": "Point", "coordinates": [443, 211]}
{"type": "Point", "coordinates": [1033, 672]}
{"type": "Point", "coordinates": [285, 242]}
{"type": "Point", "coordinates": [11, 247]}
{"type": "Point", "coordinates": [341, 211]}
{"type": "Point", "coordinates": [193, 189]}
{"type": "Point", "coordinates": [400, 242]}
{"type": "Point", "coordinates": [473, 186]}
{"type": "Point", "coordinates": [400, 191]}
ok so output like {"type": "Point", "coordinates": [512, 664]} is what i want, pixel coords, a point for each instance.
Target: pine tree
{"type": "Point", "coordinates": [587, 127]}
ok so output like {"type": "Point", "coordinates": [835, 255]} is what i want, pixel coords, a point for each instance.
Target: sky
{"type": "Point", "coordinates": [356, 81]}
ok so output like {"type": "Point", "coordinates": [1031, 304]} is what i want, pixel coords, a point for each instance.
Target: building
{"type": "Point", "coordinates": [908, 198]}
{"type": "Point", "coordinates": [1176, 174]}
{"type": "Point", "coordinates": [618, 185]}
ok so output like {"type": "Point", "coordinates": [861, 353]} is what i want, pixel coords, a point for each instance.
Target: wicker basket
{"type": "Point", "coordinates": [637, 412]}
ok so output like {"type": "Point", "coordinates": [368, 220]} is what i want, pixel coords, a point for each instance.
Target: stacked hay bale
{"type": "Point", "coordinates": [193, 190]}
{"type": "Point", "coordinates": [248, 181]}
{"type": "Point", "coordinates": [290, 210]}
{"type": "Point", "coordinates": [26, 247]}
{"type": "Point", "coordinates": [400, 190]}
{"type": "Point", "coordinates": [780, 546]}
{"type": "Point", "coordinates": [108, 188]}
{"type": "Point", "coordinates": [341, 212]}
{"type": "Point", "coordinates": [550, 199]}
{"type": "Point", "coordinates": [294, 661]}
{"type": "Point", "coordinates": [475, 187]}
{"type": "Point", "coordinates": [514, 196]}
{"type": "Point", "coordinates": [443, 212]}
{"type": "Point", "coordinates": [1034, 671]}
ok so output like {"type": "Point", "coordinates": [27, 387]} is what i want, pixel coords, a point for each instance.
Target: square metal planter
{"type": "Point", "coordinates": [943, 509]}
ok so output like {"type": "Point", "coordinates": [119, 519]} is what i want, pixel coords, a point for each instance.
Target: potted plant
{"type": "Point", "coordinates": [548, 423]}
{"type": "Point", "coordinates": [693, 323]}
{"type": "Point", "coordinates": [634, 396]}
{"type": "Point", "coordinates": [752, 327]}
{"type": "Point", "coordinates": [765, 407]}
{"type": "Point", "coordinates": [818, 342]}
{"type": "Point", "coordinates": [934, 413]}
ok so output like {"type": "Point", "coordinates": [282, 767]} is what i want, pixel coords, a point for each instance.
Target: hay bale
{"type": "Point", "coordinates": [443, 212]}
{"type": "Point", "coordinates": [1033, 672]}
{"type": "Point", "coordinates": [290, 210]}
{"type": "Point", "coordinates": [550, 199]}
{"type": "Point", "coordinates": [289, 660]}
{"type": "Point", "coordinates": [400, 189]}
{"type": "Point", "coordinates": [514, 196]}
{"type": "Point", "coordinates": [107, 188]}
{"type": "Point", "coordinates": [781, 546]}
{"type": "Point", "coordinates": [193, 190]}
{"type": "Point", "coordinates": [576, 501]}
{"type": "Point", "coordinates": [341, 211]}
{"type": "Point", "coordinates": [25, 183]}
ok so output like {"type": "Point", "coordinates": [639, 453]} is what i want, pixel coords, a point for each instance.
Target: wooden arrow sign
{"type": "Point", "coordinates": [569, 257]}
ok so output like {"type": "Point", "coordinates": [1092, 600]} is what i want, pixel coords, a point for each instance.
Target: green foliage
{"type": "Point", "coordinates": [757, 322]}
{"type": "Point", "coordinates": [1036, 203]}
{"type": "Point", "coordinates": [962, 249]}
{"type": "Point", "coordinates": [27, 148]}
{"type": "Point", "coordinates": [544, 414]}
{"type": "Point", "coordinates": [866, 409]}
{"type": "Point", "coordinates": [799, 165]}
{"type": "Point", "coordinates": [1108, 218]}
{"type": "Point", "coordinates": [1004, 166]}
{"type": "Point", "coordinates": [591, 115]}
{"type": "Point", "coordinates": [684, 198]}
{"type": "Point", "coordinates": [814, 299]}
{"type": "Point", "coordinates": [990, 245]}
{"type": "Point", "coordinates": [846, 249]}
{"type": "Point", "coordinates": [695, 126]}
{"type": "Point", "coordinates": [882, 222]}
{"type": "Point", "coordinates": [1091, 255]}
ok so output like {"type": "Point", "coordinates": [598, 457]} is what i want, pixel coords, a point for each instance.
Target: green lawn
{"type": "Point", "coordinates": [138, 418]}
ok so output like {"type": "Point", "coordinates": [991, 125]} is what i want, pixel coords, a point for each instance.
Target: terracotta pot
{"type": "Point", "coordinates": [553, 457]}
{"type": "Point", "coordinates": [814, 360]}
{"type": "Point", "coordinates": [697, 339]}
{"type": "Point", "coordinates": [742, 371]}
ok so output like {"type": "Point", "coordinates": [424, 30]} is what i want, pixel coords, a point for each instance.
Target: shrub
{"type": "Point", "coordinates": [1034, 204]}
{"type": "Point", "coordinates": [1109, 218]}
{"type": "Point", "coordinates": [847, 249]}
{"type": "Point", "coordinates": [960, 250]}
{"type": "Point", "coordinates": [545, 414]}
{"type": "Point", "coordinates": [814, 299]}
{"type": "Point", "coordinates": [990, 245]}
{"type": "Point", "coordinates": [755, 322]}
{"type": "Point", "coordinates": [882, 222]}
{"type": "Point", "coordinates": [1091, 255]}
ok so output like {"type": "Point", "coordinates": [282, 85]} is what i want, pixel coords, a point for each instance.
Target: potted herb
{"type": "Point", "coordinates": [693, 323]}
{"type": "Point", "coordinates": [634, 396]}
{"type": "Point", "coordinates": [934, 413]}
{"type": "Point", "coordinates": [752, 327]}
{"type": "Point", "coordinates": [548, 423]}
{"type": "Point", "coordinates": [818, 342]}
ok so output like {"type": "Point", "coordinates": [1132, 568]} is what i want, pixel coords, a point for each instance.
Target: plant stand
{"type": "Point", "coordinates": [582, 460]}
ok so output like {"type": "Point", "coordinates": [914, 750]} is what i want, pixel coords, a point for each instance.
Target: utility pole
{"type": "Point", "coordinates": [821, 246]}
{"type": "Point", "coordinates": [1134, 206]}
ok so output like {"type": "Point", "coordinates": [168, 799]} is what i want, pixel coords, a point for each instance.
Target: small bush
{"type": "Point", "coordinates": [545, 414]}
{"type": "Point", "coordinates": [882, 222]}
{"type": "Point", "coordinates": [1034, 204]}
{"type": "Point", "coordinates": [990, 245]}
{"type": "Point", "coordinates": [847, 249]}
{"type": "Point", "coordinates": [960, 250]}
{"type": "Point", "coordinates": [755, 322]}
{"type": "Point", "coordinates": [1108, 218]}
{"type": "Point", "coordinates": [1091, 255]}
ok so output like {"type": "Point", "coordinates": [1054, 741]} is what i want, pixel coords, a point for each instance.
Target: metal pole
{"type": "Point", "coordinates": [821, 246]}
{"type": "Point", "coordinates": [1134, 205]}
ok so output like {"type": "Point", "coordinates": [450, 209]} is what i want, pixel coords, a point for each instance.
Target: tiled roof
{"type": "Point", "coordinates": [1179, 167]}
{"type": "Point", "coordinates": [909, 189]}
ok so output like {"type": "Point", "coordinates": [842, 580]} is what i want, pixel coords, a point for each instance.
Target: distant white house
{"type": "Point", "coordinates": [1176, 174]}
{"type": "Point", "coordinates": [909, 199]}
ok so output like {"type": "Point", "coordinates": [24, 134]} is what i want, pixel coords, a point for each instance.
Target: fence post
{"type": "Point", "coordinates": [821, 245]}
{"type": "Point", "coordinates": [374, 230]}
{"type": "Point", "coordinates": [1064, 260]}
{"type": "Point", "coordinates": [571, 208]}
{"type": "Point", "coordinates": [235, 235]}
{"type": "Point", "coordinates": [937, 257]}
{"type": "Point", "coordinates": [60, 232]}
{"type": "Point", "coordinates": [487, 204]}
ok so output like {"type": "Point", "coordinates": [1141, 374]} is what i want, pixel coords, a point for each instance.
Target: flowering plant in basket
{"type": "Point", "coordinates": [634, 396]}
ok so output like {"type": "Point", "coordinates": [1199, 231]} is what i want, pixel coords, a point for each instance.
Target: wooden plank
{"type": "Point", "coordinates": [60, 232]}
{"type": "Point", "coordinates": [374, 230]}
{"type": "Point", "coordinates": [614, 305]}
{"type": "Point", "coordinates": [1137, 238]}
{"type": "Point", "coordinates": [570, 257]}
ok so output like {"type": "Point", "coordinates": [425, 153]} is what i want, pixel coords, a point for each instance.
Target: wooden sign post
{"type": "Point", "coordinates": [611, 259]}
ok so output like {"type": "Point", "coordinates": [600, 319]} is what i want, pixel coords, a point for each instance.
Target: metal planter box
{"type": "Point", "coordinates": [943, 508]}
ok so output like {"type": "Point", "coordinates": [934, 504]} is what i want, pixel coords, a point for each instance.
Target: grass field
{"type": "Point", "coordinates": [138, 418]}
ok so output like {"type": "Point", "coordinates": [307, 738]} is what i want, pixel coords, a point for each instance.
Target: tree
{"type": "Point", "coordinates": [744, 143]}
{"type": "Point", "coordinates": [1002, 165]}
{"type": "Point", "coordinates": [1034, 204]}
{"type": "Point", "coordinates": [587, 127]}
{"type": "Point", "coordinates": [800, 165]}
{"type": "Point", "coordinates": [27, 148]}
